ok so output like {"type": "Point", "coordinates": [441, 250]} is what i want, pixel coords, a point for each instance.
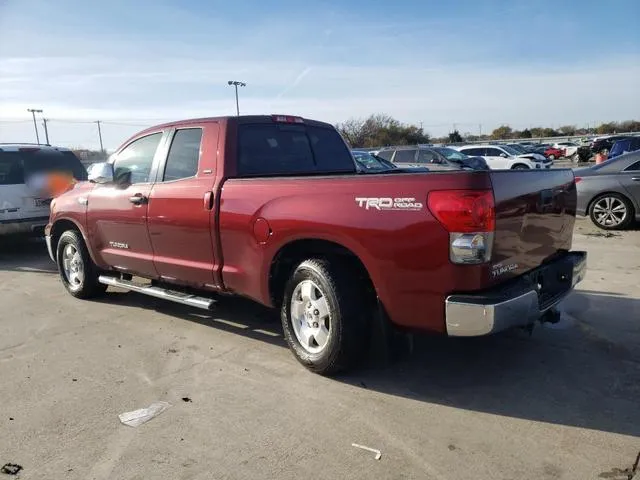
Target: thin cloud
{"type": "Point", "coordinates": [295, 82]}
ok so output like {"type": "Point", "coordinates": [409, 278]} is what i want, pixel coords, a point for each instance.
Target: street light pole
{"type": "Point", "coordinates": [46, 130]}
{"type": "Point", "coordinates": [237, 84]}
{"type": "Point", "coordinates": [35, 125]}
{"type": "Point", "coordinates": [100, 136]}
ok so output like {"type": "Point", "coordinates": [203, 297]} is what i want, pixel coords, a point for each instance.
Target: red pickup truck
{"type": "Point", "coordinates": [273, 209]}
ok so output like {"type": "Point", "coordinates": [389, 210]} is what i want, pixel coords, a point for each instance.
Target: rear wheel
{"type": "Point", "coordinates": [575, 158]}
{"type": "Point", "coordinates": [325, 316]}
{"type": "Point", "coordinates": [552, 157]}
{"type": "Point", "coordinates": [78, 272]}
{"type": "Point", "coordinates": [611, 211]}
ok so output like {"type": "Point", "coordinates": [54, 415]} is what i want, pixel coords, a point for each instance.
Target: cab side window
{"type": "Point", "coordinates": [133, 164]}
{"type": "Point", "coordinates": [184, 155]}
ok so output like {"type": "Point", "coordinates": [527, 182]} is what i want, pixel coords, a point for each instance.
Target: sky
{"type": "Point", "coordinates": [468, 64]}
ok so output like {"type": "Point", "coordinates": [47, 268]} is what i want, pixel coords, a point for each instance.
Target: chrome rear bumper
{"type": "Point", "coordinates": [518, 304]}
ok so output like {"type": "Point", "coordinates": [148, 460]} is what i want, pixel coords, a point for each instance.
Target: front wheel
{"type": "Point", "coordinates": [520, 166]}
{"type": "Point", "coordinates": [552, 157]}
{"type": "Point", "coordinates": [78, 272]}
{"type": "Point", "coordinates": [324, 316]}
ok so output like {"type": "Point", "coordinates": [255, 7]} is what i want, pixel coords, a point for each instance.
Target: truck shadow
{"type": "Point", "coordinates": [583, 372]}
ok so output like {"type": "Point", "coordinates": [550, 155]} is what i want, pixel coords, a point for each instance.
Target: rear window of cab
{"type": "Point", "coordinates": [17, 166]}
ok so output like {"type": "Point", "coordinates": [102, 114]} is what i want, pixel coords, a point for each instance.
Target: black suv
{"type": "Point", "coordinates": [606, 143]}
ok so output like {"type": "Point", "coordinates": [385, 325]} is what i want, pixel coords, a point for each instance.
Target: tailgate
{"type": "Point", "coordinates": [535, 215]}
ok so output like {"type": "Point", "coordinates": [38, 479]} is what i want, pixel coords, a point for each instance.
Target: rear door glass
{"type": "Point", "coordinates": [16, 167]}
{"type": "Point", "coordinates": [475, 152]}
{"type": "Point", "coordinates": [275, 149]}
{"type": "Point", "coordinates": [11, 169]}
{"type": "Point", "coordinates": [427, 156]}
{"type": "Point", "coordinates": [405, 156]}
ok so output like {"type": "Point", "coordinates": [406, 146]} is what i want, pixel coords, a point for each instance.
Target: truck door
{"type": "Point", "coordinates": [630, 180]}
{"type": "Point", "coordinates": [117, 213]}
{"type": "Point", "coordinates": [182, 208]}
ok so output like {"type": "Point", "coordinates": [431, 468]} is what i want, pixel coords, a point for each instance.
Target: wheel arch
{"type": "Point", "coordinates": [291, 254]}
{"type": "Point", "coordinates": [60, 226]}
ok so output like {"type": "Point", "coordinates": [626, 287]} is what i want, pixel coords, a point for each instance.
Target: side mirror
{"type": "Point", "coordinates": [503, 155]}
{"type": "Point", "coordinates": [101, 173]}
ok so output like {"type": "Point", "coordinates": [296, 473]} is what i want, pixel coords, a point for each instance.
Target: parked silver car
{"type": "Point", "coordinates": [610, 192]}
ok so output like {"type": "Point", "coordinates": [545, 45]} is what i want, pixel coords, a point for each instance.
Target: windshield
{"type": "Point", "coordinates": [518, 148]}
{"type": "Point", "coordinates": [451, 154]}
{"type": "Point", "coordinates": [368, 162]}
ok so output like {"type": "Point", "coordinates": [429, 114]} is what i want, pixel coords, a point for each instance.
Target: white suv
{"type": "Point", "coordinates": [22, 208]}
{"type": "Point", "coordinates": [503, 157]}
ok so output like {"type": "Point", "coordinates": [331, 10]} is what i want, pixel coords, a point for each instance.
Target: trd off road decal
{"type": "Point", "coordinates": [388, 203]}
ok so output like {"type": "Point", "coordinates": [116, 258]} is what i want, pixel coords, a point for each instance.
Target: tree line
{"type": "Point", "coordinates": [381, 129]}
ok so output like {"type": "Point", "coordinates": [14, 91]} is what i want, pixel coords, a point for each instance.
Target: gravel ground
{"type": "Point", "coordinates": [561, 404]}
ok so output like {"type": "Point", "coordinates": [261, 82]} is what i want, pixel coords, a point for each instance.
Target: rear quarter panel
{"type": "Point", "coordinates": [406, 253]}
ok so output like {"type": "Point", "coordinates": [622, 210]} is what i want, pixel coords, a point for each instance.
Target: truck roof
{"type": "Point", "coordinates": [241, 119]}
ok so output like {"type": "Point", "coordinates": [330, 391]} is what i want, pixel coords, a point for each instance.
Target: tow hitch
{"type": "Point", "coordinates": [551, 316]}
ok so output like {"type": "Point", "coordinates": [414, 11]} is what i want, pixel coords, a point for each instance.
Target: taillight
{"type": "Point", "coordinates": [578, 179]}
{"type": "Point", "coordinates": [469, 217]}
{"type": "Point", "coordinates": [286, 119]}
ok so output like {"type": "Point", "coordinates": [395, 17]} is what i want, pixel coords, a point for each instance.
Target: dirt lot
{"type": "Point", "coordinates": [562, 404]}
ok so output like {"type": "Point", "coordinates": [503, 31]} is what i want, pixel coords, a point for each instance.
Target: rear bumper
{"type": "Point", "coordinates": [23, 226]}
{"type": "Point", "coordinates": [517, 304]}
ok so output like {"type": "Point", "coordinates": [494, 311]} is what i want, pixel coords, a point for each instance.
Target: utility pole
{"type": "Point", "coordinates": [237, 84]}
{"type": "Point", "coordinates": [35, 125]}
{"type": "Point", "coordinates": [100, 136]}
{"type": "Point", "coordinates": [46, 130]}
{"type": "Point", "coordinates": [479, 129]}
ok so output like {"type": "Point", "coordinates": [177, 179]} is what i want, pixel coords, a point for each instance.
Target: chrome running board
{"type": "Point", "coordinates": [163, 293]}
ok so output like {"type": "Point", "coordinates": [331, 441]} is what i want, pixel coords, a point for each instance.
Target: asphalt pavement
{"type": "Point", "coordinates": [563, 403]}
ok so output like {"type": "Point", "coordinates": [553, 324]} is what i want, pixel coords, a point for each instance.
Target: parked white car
{"type": "Point", "coordinates": [501, 157]}
{"type": "Point", "coordinates": [570, 148]}
{"type": "Point", "coordinates": [22, 208]}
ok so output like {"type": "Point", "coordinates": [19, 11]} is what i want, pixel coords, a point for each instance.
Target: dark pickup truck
{"type": "Point", "coordinates": [273, 209]}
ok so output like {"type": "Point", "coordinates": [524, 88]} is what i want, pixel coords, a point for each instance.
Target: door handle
{"type": "Point", "coordinates": [138, 199]}
{"type": "Point", "coordinates": [208, 201]}
{"type": "Point", "coordinates": [635, 179]}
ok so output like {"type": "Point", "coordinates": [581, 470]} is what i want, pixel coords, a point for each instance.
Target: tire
{"type": "Point", "coordinates": [552, 157]}
{"type": "Point", "coordinates": [575, 158]}
{"type": "Point", "coordinates": [611, 211]}
{"type": "Point", "coordinates": [519, 166]}
{"type": "Point", "coordinates": [78, 272]}
{"type": "Point", "coordinates": [337, 340]}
